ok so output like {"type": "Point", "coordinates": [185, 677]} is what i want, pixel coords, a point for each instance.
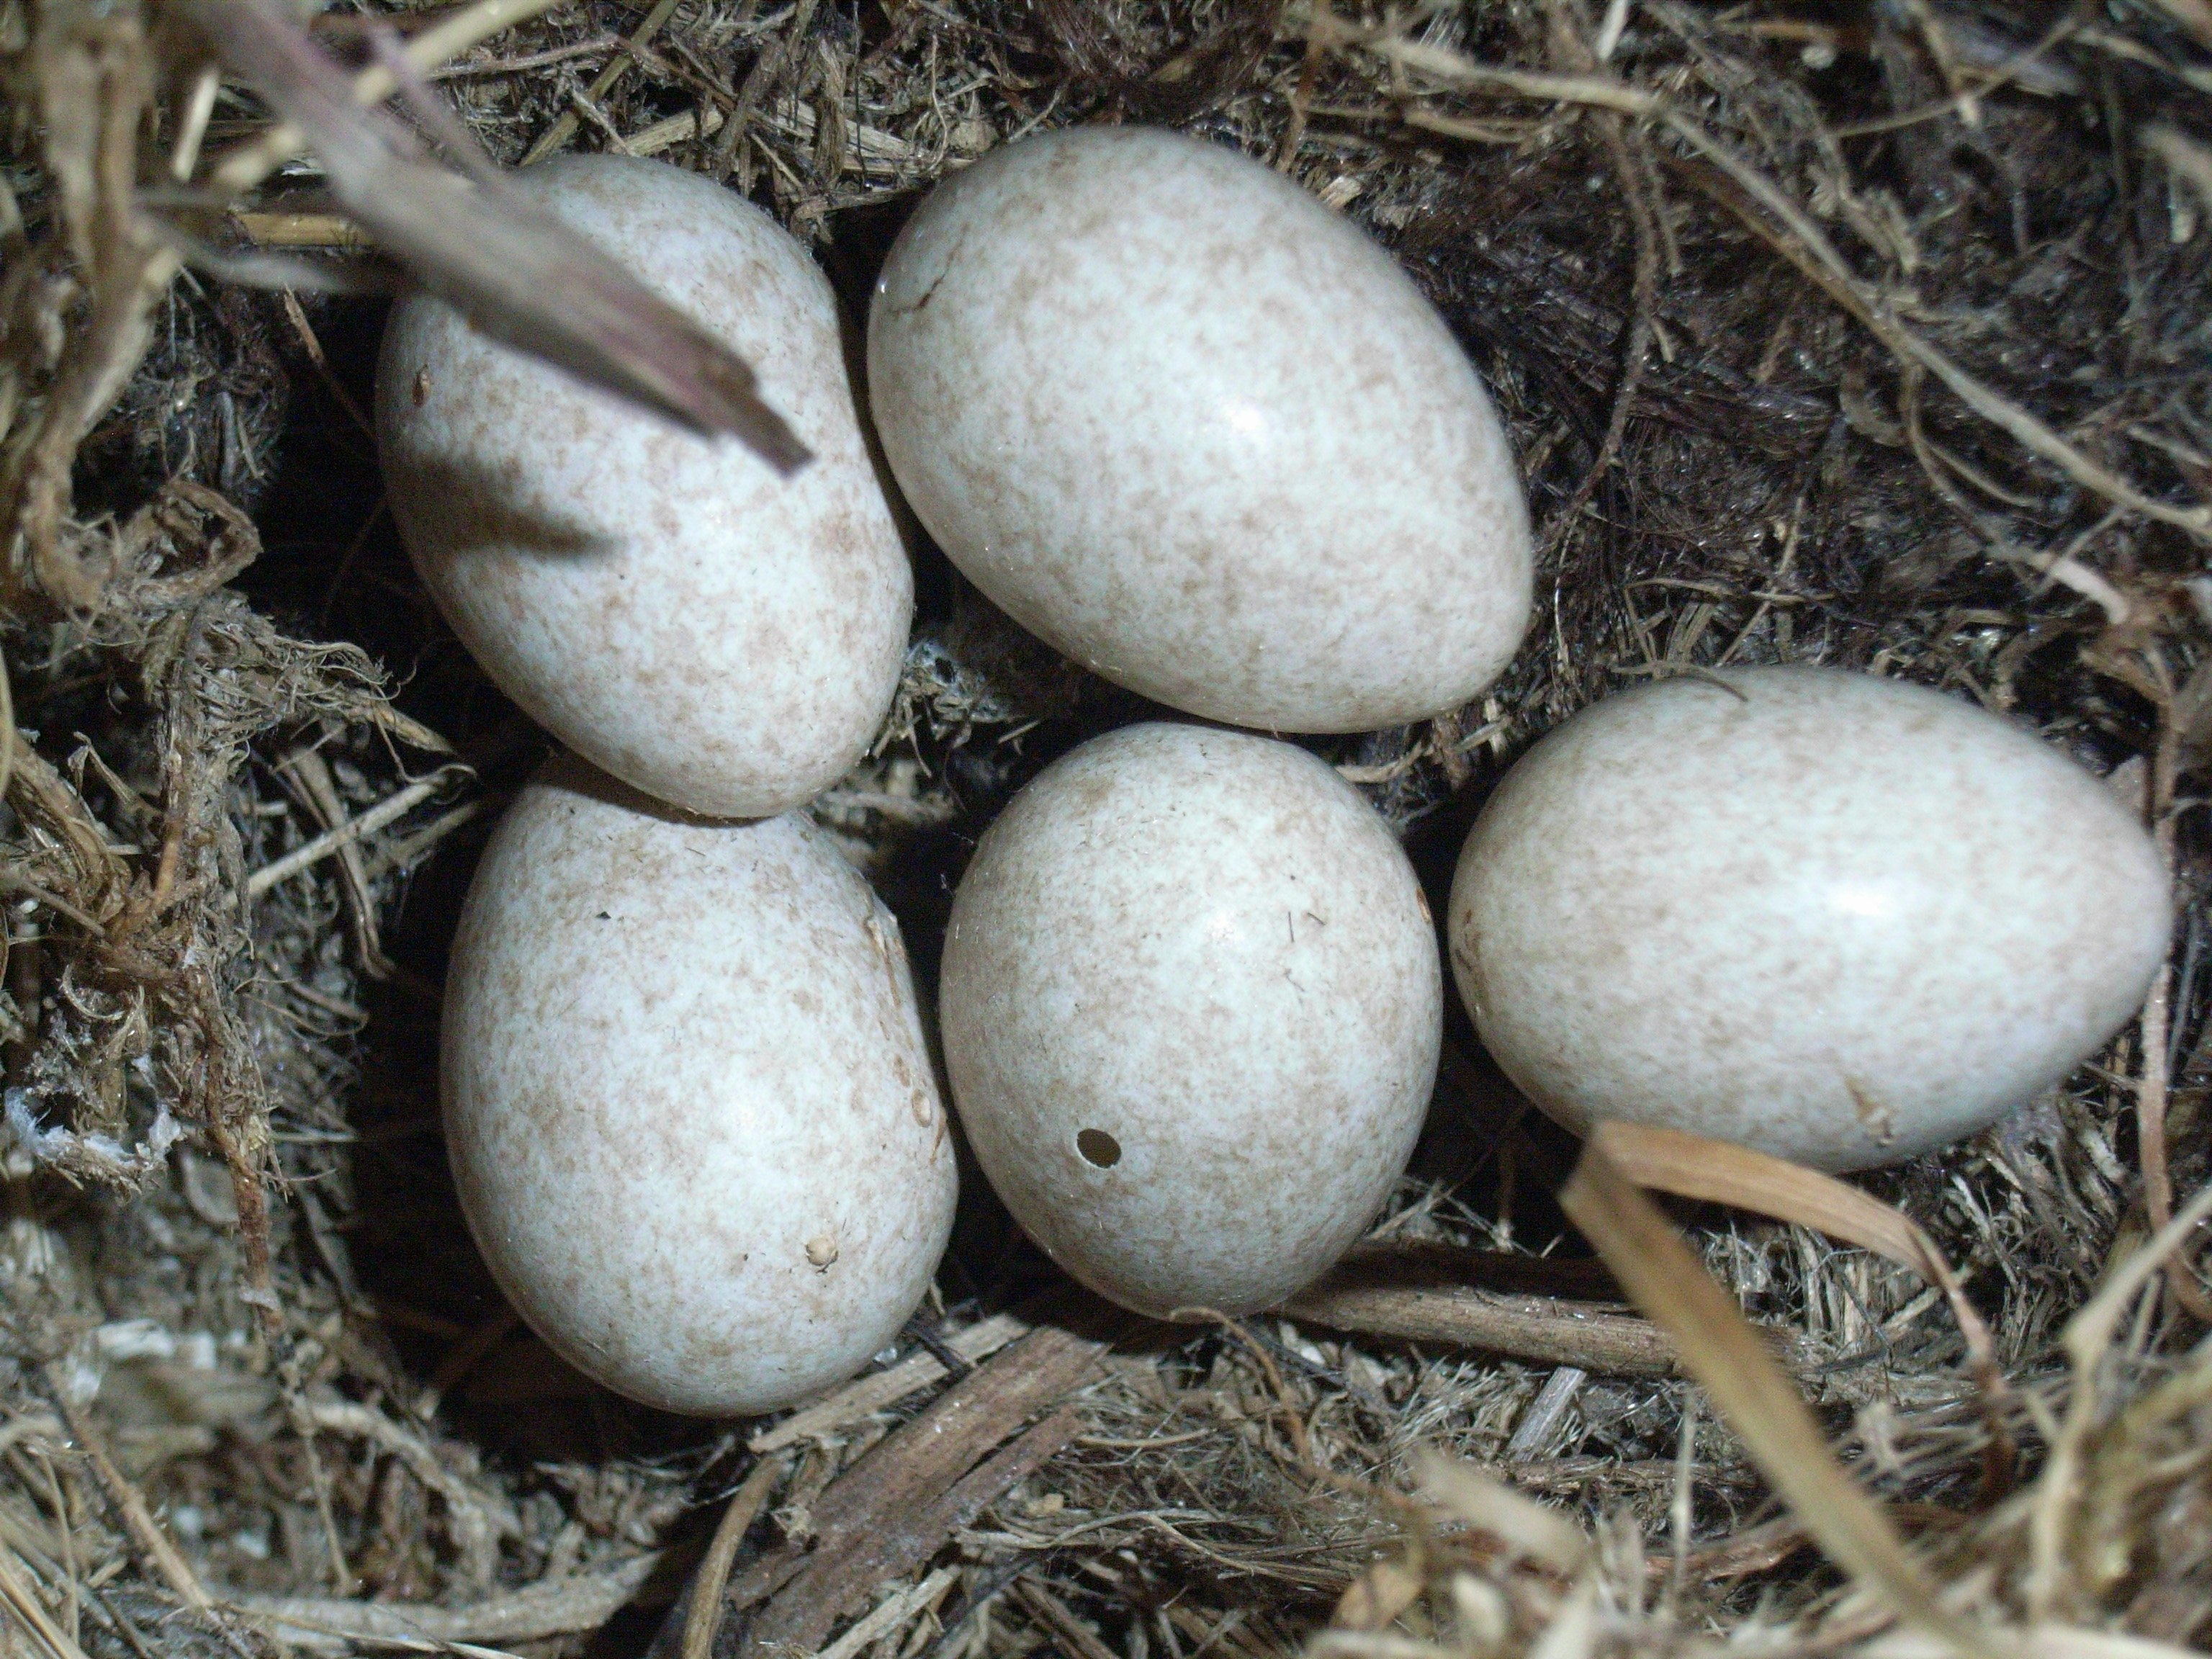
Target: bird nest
{"type": "Point", "coordinates": [1876, 334]}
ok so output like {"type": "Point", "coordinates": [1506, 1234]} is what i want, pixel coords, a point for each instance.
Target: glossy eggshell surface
{"type": "Point", "coordinates": [1191, 1006]}
{"type": "Point", "coordinates": [1199, 434]}
{"type": "Point", "coordinates": [689, 1104]}
{"type": "Point", "coordinates": [719, 637]}
{"type": "Point", "coordinates": [1833, 917]}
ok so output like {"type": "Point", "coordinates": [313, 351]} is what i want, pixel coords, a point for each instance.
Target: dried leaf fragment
{"type": "Point", "coordinates": [521, 275]}
{"type": "Point", "coordinates": [1720, 1349]}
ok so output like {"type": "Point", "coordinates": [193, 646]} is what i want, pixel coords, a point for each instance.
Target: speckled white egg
{"type": "Point", "coordinates": [684, 619]}
{"type": "Point", "coordinates": [1837, 918]}
{"type": "Point", "coordinates": [689, 1108]}
{"type": "Point", "coordinates": [1191, 1004]}
{"type": "Point", "coordinates": [1199, 432]}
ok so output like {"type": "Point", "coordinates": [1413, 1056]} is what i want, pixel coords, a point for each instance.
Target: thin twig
{"type": "Point", "coordinates": [2184, 156]}
{"type": "Point", "coordinates": [1777, 1429]}
{"type": "Point", "coordinates": [9, 737]}
{"type": "Point", "coordinates": [2086, 1339]}
{"type": "Point", "coordinates": [891, 1617]}
{"type": "Point", "coordinates": [564, 126]}
{"type": "Point", "coordinates": [169, 1561]}
{"type": "Point", "coordinates": [760, 80]}
{"type": "Point", "coordinates": [1799, 240]}
{"type": "Point", "coordinates": [1294, 1423]}
{"type": "Point", "coordinates": [702, 1620]}
{"type": "Point", "coordinates": [313, 346]}
{"type": "Point", "coordinates": [1780, 222]}
{"type": "Point", "coordinates": [488, 68]}
{"type": "Point", "coordinates": [2152, 1085]}
{"type": "Point", "coordinates": [1636, 350]}
{"type": "Point", "coordinates": [344, 835]}
{"type": "Point", "coordinates": [561, 1606]}
{"type": "Point", "coordinates": [248, 165]}
{"type": "Point", "coordinates": [865, 1395]}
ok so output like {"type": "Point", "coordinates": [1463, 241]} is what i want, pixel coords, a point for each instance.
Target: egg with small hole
{"type": "Point", "coordinates": [673, 610]}
{"type": "Point", "coordinates": [690, 1107]}
{"type": "Point", "coordinates": [1199, 432]}
{"type": "Point", "coordinates": [1832, 917]}
{"type": "Point", "coordinates": [1191, 1004]}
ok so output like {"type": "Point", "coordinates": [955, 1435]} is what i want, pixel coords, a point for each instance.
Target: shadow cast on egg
{"type": "Point", "coordinates": [466, 510]}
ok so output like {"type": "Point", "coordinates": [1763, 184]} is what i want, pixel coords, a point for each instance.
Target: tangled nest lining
{"type": "Point", "coordinates": [1873, 334]}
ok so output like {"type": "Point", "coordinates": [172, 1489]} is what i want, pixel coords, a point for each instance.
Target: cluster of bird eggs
{"type": "Point", "coordinates": [1194, 430]}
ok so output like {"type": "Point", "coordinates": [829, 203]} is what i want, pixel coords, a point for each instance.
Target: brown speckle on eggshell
{"type": "Point", "coordinates": [1837, 918]}
{"type": "Point", "coordinates": [720, 637]}
{"type": "Point", "coordinates": [1191, 1011]}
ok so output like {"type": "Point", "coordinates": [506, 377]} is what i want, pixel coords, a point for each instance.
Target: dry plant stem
{"type": "Point", "coordinates": [12, 883]}
{"type": "Point", "coordinates": [1286, 153]}
{"type": "Point", "coordinates": [399, 854]}
{"type": "Point", "coordinates": [309, 230]}
{"type": "Point", "coordinates": [318, 1480]}
{"type": "Point", "coordinates": [22, 1601]}
{"type": "Point", "coordinates": [892, 1509]}
{"type": "Point", "coordinates": [248, 165]}
{"type": "Point", "coordinates": [1721, 1350]}
{"type": "Point", "coordinates": [865, 1395]}
{"type": "Point", "coordinates": [1546, 1329]}
{"type": "Point", "coordinates": [580, 1601]}
{"type": "Point", "coordinates": [10, 738]}
{"type": "Point", "coordinates": [759, 81]}
{"type": "Point", "coordinates": [1690, 1166]}
{"type": "Point", "coordinates": [1797, 239]}
{"type": "Point", "coordinates": [2150, 1129]}
{"type": "Point", "coordinates": [167, 1559]}
{"type": "Point", "coordinates": [464, 1356]}
{"type": "Point", "coordinates": [242, 1158]}
{"type": "Point", "coordinates": [43, 797]}
{"type": "Point", "coordinates": [476, 69]}
{"type": "Point", "coordinates": [1960, 102]}
{"type": "Point", "coordinates": [389, 810]}
{"type": "Point", "coordinates": [2185, 156]}
{"type": "Point", "coordinates": [65, 1536]}
{"type": "Point", "coordinates": [1637, 351]}
{"type": "Point", "coordinates": [891, 1617]}
{"type": "Point", "coordinates": [1644, 304]}
{"type": "Point", "coordinates": [100, 116]}
{"type": "Point", "coordinates": [192, 122]}
{"type": "Point", "coordinates": [702, 1620]}
{"type": "Point", "coordinates": [1530, 1530]}
{"type": "Point", "coordinates": [1056, 1616]}
{"type": "Point", "coordinates": [1294, 1423]}
{"type": "Point", "coordinates": [1680, 1507]}
{"type": "Point", "coordinates": [93, 104]}
{"type": "Point", "coordinates": [2151, 1086]}
{"type": "Point", "coordinates": [314, 773]}
{"type": "Point", "coordinates": [475, 1520]}
{"type": "Point", "coordinates": [2194, 15]}
{"type": "Point", "coordinates": [2087, 1339]}
{"type": "Point", "coordinates": [521, 275]}
{"type": "Point", "coordinates": [564, 126]}
{"type": "Point", "coordinates": [108, 348]}
{"type": "Point", "coordinates": [313, 346]}
{"type": "Point", "coordinates": [1800, 242]}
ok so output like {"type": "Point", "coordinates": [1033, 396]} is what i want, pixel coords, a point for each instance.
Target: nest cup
{"type": "Point", "coordinates": [1872, 337]}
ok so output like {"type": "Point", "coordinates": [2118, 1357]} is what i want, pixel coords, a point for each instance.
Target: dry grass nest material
{"type": "Point", "coordinates": [1873, 334]}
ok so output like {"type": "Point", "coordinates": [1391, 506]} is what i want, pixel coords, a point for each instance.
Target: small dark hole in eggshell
{"type": "Point", "coordinates": [1098, 1147]}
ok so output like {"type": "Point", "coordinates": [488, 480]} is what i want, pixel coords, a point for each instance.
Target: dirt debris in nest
{"type": "Point", "coordinates": [1873, 334]}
